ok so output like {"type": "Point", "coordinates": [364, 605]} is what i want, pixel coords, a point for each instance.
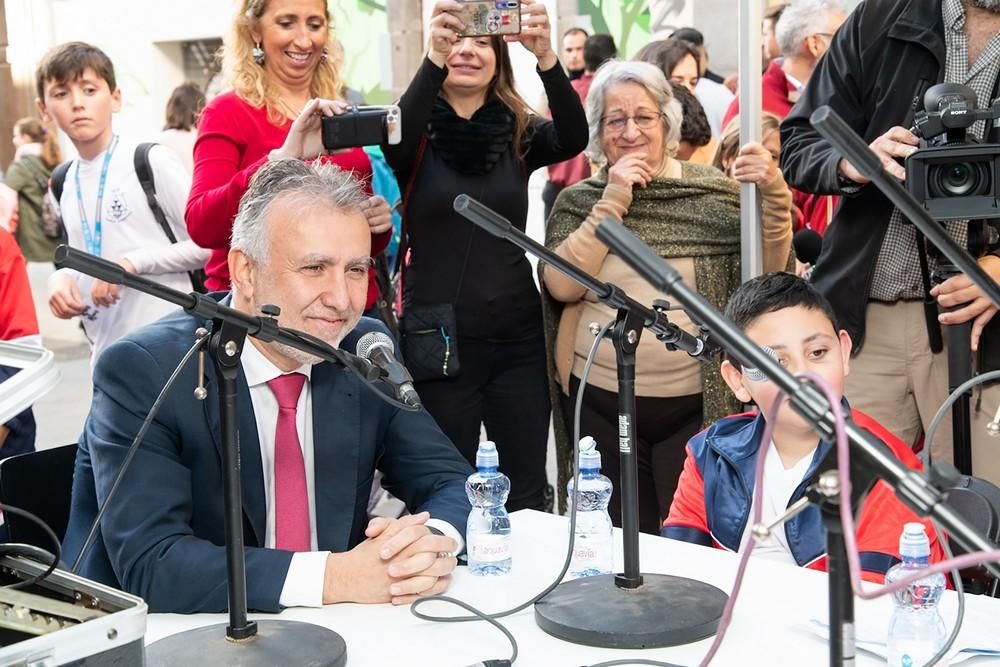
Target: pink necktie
{"type": "Point", "coordinates": [291, 499]}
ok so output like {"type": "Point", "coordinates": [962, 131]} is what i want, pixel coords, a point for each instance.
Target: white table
{"type": "Point", "coordinates": [768, 624]}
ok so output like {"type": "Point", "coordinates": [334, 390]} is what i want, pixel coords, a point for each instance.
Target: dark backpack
{"type": "Point", "coordinates": [145, 175]}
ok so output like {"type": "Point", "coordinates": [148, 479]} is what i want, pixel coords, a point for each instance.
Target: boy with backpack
{"type": "Point", "coordinates": [107, 208]}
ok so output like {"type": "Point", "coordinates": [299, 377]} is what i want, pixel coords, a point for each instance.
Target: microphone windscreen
{"type": "Point", "coordinates": [370, 340]}
{"type": "Point", "coordinates": [755, 374]}
{"type": "Point", "coordinates": [808, 244]}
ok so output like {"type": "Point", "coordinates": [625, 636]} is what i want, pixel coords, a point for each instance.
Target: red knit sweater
{"type": "Point", "coordinates": [234, 140]}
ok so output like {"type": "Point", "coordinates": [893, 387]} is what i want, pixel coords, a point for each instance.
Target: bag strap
{"type": "Point", "coordinates": [404, 240]}
{"type": "Point", "coordinates": [145, 174]}
{"type": "Point", "coordinates": [934, 337]}
{"type": "Point", "coordinates": [37, 171]}
{"type": "Point", "coordinates": [57, 179]}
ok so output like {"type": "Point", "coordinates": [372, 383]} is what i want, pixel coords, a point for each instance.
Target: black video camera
{"type": "Point", "coordinates": [952, 176]}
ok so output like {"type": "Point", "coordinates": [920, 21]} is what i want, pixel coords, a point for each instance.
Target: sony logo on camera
{"type": "Point", "coordinates": [951, 174]}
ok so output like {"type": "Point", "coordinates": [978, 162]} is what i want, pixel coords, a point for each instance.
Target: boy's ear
{"type": "Point", "coordinates": [846, 345]}
{"type": "Point", "coordinates": [116, 100]}
{"type": "Point", "coordinates": [734, 378]}
{"type": "Point", "coordinates": [42, 110]}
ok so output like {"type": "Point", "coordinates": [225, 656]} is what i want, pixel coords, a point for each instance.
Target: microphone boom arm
{"type": "Point", "coordinates": [609, 294]}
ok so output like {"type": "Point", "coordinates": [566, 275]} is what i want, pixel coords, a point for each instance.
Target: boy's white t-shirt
{"type": "Point", "coordinates": [130, 230]}
{"type": "Point", "coordinates": [779, 484]}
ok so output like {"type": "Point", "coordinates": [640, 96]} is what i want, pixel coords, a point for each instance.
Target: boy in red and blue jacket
{"type": "Point", "coordinates": [712, 505]}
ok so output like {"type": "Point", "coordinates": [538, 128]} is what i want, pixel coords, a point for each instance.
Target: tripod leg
{"type": "Point", "coordinates": [959, 371]}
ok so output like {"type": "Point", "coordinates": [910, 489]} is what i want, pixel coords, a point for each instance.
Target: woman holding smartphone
{"type": "Point", "coordinates": [467, 294]}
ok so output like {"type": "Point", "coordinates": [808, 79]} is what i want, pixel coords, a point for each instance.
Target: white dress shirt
{"type": "Point", "coordinates": [303, 585]}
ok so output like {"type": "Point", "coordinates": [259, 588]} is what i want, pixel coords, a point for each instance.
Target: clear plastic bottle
{"type": "Point", "coordinates": [916, 630]}
{"type": "Point", "coordinates": [592, 547]}
{"type": "Point", "coordinates": [487, 535]}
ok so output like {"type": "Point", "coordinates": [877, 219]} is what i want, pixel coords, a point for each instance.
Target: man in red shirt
{"type": "Point", "coordinates": [596, 50]}
{"type": "Point", "coordinates": [804, 32]}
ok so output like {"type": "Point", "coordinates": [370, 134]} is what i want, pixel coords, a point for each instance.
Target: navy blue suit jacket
{"type": "Point", "coordinates": [162, 536]}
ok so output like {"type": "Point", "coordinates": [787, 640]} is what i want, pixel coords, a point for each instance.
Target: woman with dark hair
{"type": "Point", "coordinates": [696, 143]}
{"type": "Point", "coordinates": [36, 155]}
{"type": "Point", "coordinates": [180, 130]}
{"type": "Point", "coordinates": [677, 59]}
{"type": "Point", "coordinates": [467, 131]}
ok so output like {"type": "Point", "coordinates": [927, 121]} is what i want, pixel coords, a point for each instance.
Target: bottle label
{"type": "Point", "coordinates": [911, 652]}
{"type": "Point", "coordinates": [489, 548]}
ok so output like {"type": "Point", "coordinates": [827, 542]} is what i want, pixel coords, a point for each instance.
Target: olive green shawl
{"type": "Point", "coordinates": [696, 216]}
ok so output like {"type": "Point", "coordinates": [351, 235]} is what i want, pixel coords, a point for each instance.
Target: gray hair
{"type": "Point", "coordinates": [651, 78]}
{"type": "Point", "coordinates": [801, 19]}
{"type": "Point", "coordinates": [313, 184]}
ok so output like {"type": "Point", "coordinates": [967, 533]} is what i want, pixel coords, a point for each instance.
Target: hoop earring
{"type": "Point", "coordinates": [258, 54]}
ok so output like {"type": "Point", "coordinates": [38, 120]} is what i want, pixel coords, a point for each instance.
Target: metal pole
{"type": "Point", "coordinates": [750, 113]}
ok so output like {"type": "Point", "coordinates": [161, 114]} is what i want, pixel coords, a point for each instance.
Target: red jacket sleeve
{"type": "Point", "coordinates": [687, 519]}
{"type": "Point", "coordinates": [883, 515]}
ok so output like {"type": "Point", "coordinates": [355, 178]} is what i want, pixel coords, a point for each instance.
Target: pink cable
{"type": "Point", "coordinates": [758, 510]}
{"type": "Point", "coordinates": [846, 519]}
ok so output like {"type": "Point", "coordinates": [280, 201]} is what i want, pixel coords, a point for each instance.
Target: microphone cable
{"type": "Point", "coordinates": [943, 410]}
{"type": "Point", "coordinates": [477, 614]}
{"type": "Point", "coordinates": [134, 447]}
{"type": "Point", "coordinates": [30, 550]}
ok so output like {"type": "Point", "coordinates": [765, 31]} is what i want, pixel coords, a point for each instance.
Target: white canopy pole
{"type": "Point", "coordinates": [751, 12]}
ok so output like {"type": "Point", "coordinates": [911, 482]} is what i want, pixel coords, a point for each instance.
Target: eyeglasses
{"type": "Point", "coordinates": [643, 121]}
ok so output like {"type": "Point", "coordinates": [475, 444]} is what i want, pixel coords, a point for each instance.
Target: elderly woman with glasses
{"type": "Point", "coordinates": [688, 213]}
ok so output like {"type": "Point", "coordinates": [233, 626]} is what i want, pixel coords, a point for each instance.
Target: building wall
{"type": "Point", "coordinates": [145, 38]}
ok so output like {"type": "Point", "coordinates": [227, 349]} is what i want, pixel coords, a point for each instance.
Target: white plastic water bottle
{"type": "Point", "coordinates": [592, 550]}
{"type": "Point", "coordinates": [487, 534]}
{"type": "Point", "coordinates": [916, 630]}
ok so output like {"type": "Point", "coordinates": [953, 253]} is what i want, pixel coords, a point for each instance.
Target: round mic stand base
{"type": "Point", "coordinates": [276, 643]}
{"type": "Point", "coordinates": [663, 611]}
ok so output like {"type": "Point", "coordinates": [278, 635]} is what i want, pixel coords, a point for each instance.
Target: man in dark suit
{"type": "Point", "coordinates": [311, 435]}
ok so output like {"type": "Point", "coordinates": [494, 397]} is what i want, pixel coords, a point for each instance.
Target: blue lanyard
{"type": "Point", "coordinates": [93, 239]}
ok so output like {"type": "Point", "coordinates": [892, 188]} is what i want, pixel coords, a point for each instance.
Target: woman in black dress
{"type": "Point", "coordinates": [467, 131]}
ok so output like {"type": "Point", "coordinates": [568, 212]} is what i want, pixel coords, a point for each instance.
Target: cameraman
{"type": "Point", "coordinates": [874, 75]}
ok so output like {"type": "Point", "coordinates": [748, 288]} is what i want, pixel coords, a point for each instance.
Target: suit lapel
{"type": "Point", "coordinates": [336, 421]}
{"type": "Point", "coordinates": [251, 470]}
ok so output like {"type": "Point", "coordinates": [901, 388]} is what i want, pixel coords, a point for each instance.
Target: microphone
{"type": "Point", "coordinates": [807, 244]}
{"type": "Point", "coordinates": [378, 348]}
{"type": "Point", "coordinates": [755, 374]}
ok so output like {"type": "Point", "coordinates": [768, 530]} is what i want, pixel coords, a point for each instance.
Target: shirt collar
{"type": "Point", "coordinates": [258, 369]}
{"type": "Point", "coordinates": [953, 14]}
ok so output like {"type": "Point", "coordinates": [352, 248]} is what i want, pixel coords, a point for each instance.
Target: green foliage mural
{"type": "Point", "coordinates": [625, 20]}
{"type": "Point", "coordinates": [359, 23]}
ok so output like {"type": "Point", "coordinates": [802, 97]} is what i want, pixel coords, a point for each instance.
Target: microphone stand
{"type": "Point", "coordinates": [629, 609]}
{"type": "Point", "coordinates": [246, 642]}
{"type": "Point", "coordinates": [912, 487]}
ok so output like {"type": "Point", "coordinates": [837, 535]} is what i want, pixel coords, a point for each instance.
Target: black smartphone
{"type": "Point", "coordinates": [361, 126]}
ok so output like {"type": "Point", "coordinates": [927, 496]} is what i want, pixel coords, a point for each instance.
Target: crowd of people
{"type": "Point", "coordinates": [238, 197]}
